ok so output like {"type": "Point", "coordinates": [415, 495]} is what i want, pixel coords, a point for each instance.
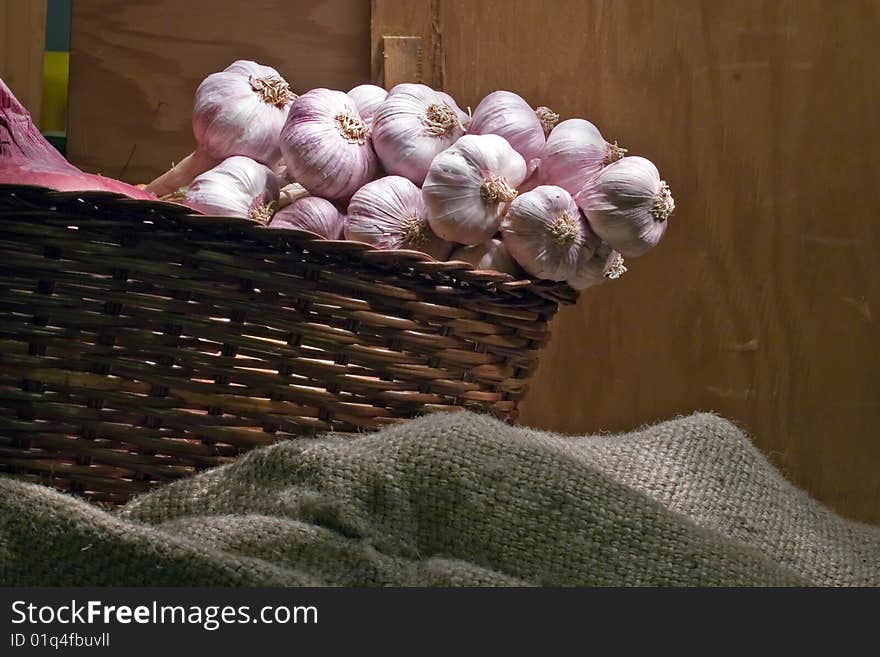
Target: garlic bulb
{"type": "Point", "coordinates": [575, 153]}
{"type": "Point", "coordinates": [238, 111]}
{"type": "Point", "coordinates": [491, 256]}
{"type": "Point", "coordinates": [367, 97]}
{"type": "Point", "coordinates": [326, 145]}
{"type": "Point", "coordinates": [311, 213]}
{"type": "Point", "coordinates": [237, 187]}
{"type": "Point", "coordinates": [505, 114]}
{"type": "Point", "coordinates": [627, 205]}
{"type": "Point", "coordinates": [545, 232]}
{"type": "Point", "coordinates": [469, 185]}
{"type": "Point", "coordinates": [390, 214]}
{"type": "Point", "coordinates": [596, 265]}
{"type": "Point", "coordinates": [548, 118]}
{"type": "Point", "coordinates": [533, 177]}
{"type": "Point", "coordinates": [411, 127]}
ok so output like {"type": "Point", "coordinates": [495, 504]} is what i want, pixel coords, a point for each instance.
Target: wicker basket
{"type": "Point", "coordinates": [140, 343]}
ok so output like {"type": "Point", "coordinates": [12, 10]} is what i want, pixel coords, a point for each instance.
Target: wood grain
{"type": "Point", "coordinates": [408, 18]}
{"type": "Point", "coordinates": [22, 40]}
{"type": "Point", "coordinates": [762, 302]}
{"type": "Point", "coordinates": [401, 60]}
{"type": "Point", "coordinates": [134, 68]}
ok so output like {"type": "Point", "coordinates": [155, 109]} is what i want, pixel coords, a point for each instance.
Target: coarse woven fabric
{"type": "Point", "coordinates": [454, 499]}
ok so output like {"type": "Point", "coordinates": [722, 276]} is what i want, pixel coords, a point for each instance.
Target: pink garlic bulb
{"type": "Point", "coordinates": [411, 127]}
{"type": "Point", "coordinates": [507, 115]}
{"type": "Point", "coordinates": [311, 213]}
{"type": "Point", "coordinates": [367, 97]}
{"type": "Point", "coordinates": [627, 205]}
{"type": "Point", "coordinates": [326, 146]}
{"type": "Point", "coordinates": [238, 111]}
{"type": "Point", "coordinates": [596, 264]}
{"type": "Point", "coordinates": [390, 214]}
{"type": "Point", "coordinates": [491, 255]}
{"type": "Point", "coordinates": [469, 185]}
{"type": "Point", "coordinates": [545, 232]}
{"type": "Point", "coordinates": [575, 153]}
{"type": "Point", "coordinates": [237, 187]}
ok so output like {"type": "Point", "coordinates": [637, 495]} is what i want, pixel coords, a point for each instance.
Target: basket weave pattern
{"type": "Point", "coordinates": [140, 343]}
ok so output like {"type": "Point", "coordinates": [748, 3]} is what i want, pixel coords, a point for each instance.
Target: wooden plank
{"type": "Point", "coordinates": [22, 41]}
{"type": "Point", "coordinates": [135, 65]}
{"type": "Point", "coordinates": [414, 18]}
{"type": "Point", "coordinates": [762, 301]}
{"type": "Point", "coordinates": [402, 60]}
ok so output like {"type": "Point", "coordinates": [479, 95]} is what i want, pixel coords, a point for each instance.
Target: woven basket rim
{"type": "Point", "coordinates": [456, 271]}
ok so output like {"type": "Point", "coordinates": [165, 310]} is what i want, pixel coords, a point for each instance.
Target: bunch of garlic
{"type": "Point", "coordinates": [507, 187]}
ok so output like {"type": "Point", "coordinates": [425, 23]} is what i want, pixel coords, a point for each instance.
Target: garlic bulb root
{"type": "Point", "coordinates": [616, 268]}
{"type": "Point", "coordinates": [272, 90]}
{"type": "Point", "coordinates": [664, 204]}
{"type": "Point", "coordinates": [564, 230]}
{"type": "Point", "coordinates": [261, 211]}
{"type": "Point", "coordinates": [613, 153]}
{"type": "Point", "coordinates": [440, 119]}
{"type": "Point", "coordinates": [548, 118]}
{"type": "Point", "coordinates": [495, 190]}
{"type": "Point", "coordinates": [351, 127]}
{"type": "Point", "coordinates": [415, 231]}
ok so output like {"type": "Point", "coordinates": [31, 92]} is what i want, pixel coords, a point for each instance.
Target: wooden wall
{"type": "Point", "coordinates": [761, 303]}
{"type": "Point", "coordinates": [22, 39]}
{"type": "Point", "coordinates": [135, 65]}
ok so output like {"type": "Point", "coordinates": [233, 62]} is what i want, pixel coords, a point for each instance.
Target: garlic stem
{"type": "Point", "coordinates": [290, 194]}
{"type": "Point", "coordinates": [272, 90]}
{"type": "Point", "coordinates": [548, 118]}
{"type": "Point", "coordinates": [664, 204]}
{"type": "Point", "coordinates": [351, 127]}
{"type": "Point", "coordinates": [440, 119]}
{"type": "Point", "coordinates": [564, 230]}
{"type": "Point", "coordinates": [495, 189]}
{"type": "Point", "coordinates": [182, 174]}
{"type": "Point", "coordinates": [613, 153]}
